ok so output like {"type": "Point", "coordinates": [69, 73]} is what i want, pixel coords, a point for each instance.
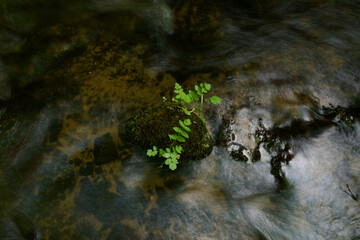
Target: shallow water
{"type": "Point", "coordinates": [72, 73]}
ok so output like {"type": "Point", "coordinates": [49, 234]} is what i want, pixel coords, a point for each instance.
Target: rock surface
{"type": "Point", "coordinates": [153, 127]}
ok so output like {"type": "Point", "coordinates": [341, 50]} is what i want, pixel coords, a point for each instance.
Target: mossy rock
{"type": "Point", "coordinates": [153, 127]}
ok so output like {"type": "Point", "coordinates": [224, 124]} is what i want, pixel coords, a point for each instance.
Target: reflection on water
{"type": "Point", "coordinates": [71, 74]}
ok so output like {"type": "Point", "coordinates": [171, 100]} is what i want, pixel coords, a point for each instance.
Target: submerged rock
{"type": "Point", "coordinates": [153, 127]}
{"type": "Point", "coordinates": [104, 149]}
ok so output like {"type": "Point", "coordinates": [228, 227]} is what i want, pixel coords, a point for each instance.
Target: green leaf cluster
{"type": "Point", "coordinates": [181, 132]}
{"type": "Point", "coordinates": [181, 95]}
{"type": "Point", "coordinates": [172, 154]}
{"type": "Point", "coordinates": [152, 152]}
{"type": "Point", "coordinates": [215, 100]}
{"type": "Point", "coordinates": [193, 96]}
{"type": "Point", "coordinates": [204, 88]}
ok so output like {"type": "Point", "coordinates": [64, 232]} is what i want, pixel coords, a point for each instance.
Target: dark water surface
{"type": "Point", "coordinates": [73, 72]}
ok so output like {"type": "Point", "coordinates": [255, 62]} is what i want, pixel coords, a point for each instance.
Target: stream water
{"type": "Point", "coordinates": [72, 73]}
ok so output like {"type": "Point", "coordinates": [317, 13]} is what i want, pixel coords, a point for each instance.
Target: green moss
{"type": "Point", "coordinates": [153, 127]}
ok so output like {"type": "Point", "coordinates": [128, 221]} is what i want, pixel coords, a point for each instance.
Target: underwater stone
{"type": "Point", "coordinates": [238, 154]}
{"type": "Point", "coordinates": [153, 127]}
{"type": "Point", "coordinates": [104, 149]}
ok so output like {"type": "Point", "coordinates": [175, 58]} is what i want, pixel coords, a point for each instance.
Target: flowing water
{"type": "Point", "coordinates": [73, 72]}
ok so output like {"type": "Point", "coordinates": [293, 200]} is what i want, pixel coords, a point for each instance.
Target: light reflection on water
{"type": "Point", "coordinates": [279, 65]}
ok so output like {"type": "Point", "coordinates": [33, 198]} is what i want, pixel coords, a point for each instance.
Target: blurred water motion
{"type": "Point", "coordinates": [73, 72]}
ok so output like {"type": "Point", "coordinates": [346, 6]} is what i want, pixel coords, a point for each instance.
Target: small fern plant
{"type": "Point", "coordinates": [185, 100]}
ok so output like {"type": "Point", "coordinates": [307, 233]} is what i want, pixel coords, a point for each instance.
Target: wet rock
{"type": "Point", "coordinates": [276, 143]}
{"type": "Point", "coordinates": [153, 127]}
{"type": "Point", "coordinates": [238, 154]}
{"type": "Point", "coordinates": [224, 136]}
{"type": "Point", "coordinates": [281, 154]}
{"type": "Point", "coordinates": [238, 151]}
{"type": "Point", "coordinates": [278, 173]}
{"type": "Point", "coordinates": [256, 155]}
{"type": "Point", "coordinates": [340, 114]}
{"type": "Point", "coordinates": [104, 149]}
{"type": "Point", "coordinates": [277, 140]}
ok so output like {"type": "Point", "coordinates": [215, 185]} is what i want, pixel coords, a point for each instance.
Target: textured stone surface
{"type": "Point", "coordinates": [104, 149]}
{"type": "Point", "coordinates": [153, 127]}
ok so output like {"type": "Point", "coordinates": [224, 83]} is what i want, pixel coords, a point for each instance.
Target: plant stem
{"type": "Point", "coordinates": [202, 102]}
